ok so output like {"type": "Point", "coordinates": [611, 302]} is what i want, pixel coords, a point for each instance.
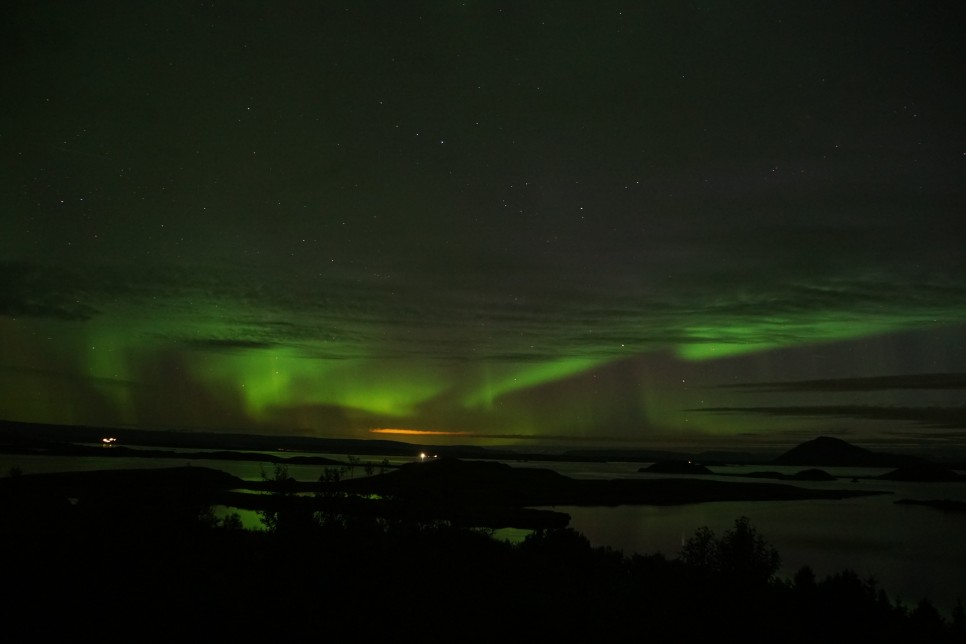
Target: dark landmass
{"type": "Point", "coordinates": [731, 457]}
{"type": "Point", "coordinates": [923, 472]}
{"type": "Point", "coordinates": [812, 474]}
{"type": "Point", "coordinates": [450, 481]}
{"type": "Point", "coordinates": [687, 467]}
{"type": "Point", "coordinates": [947, 505]}
{"type": "Point", "coordinates": [122, 482]}
{"type": "Point", "coordinates": [675, 467]}
{"type": "Point", "coordinates": [121, 451]}
{"type": "Point", "coordinates": [470, 493]}
{"type": "Point", "coordinates": [646, 456]}
{"type": "Point", "coordinates": [827, 451]}
{"type": "Point", "coordinates": [369, 557]}
{"type": "Point", "coordinates": [135, 555]}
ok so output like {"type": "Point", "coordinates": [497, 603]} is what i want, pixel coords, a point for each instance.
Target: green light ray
{"type": "Point", "coordinates": [284, 377]}
{"type": "Point", "coordinates": [714, 341]}
{"type": "Point", "coordinates": [502, 379]}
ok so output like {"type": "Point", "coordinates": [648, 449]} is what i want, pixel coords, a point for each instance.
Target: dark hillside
{"type": "Point", "coordinates": [829, 451]}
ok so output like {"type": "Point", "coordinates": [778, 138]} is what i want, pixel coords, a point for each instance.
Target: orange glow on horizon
{"type": "Point", "coordinates": [415, 432]}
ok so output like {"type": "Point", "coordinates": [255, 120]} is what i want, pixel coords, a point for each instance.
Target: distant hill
{"type": "Point", "coordinates": [829, 451]}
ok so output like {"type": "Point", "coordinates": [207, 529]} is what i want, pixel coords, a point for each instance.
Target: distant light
{"type": "Point", "coordinates": [416, 432]}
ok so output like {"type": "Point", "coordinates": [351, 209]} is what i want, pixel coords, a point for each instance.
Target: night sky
{"type": "Point", "coordinates": [609, 224]}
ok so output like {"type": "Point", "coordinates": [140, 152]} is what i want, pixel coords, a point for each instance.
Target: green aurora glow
{"type": "Point", "coordinates": [536, 224]}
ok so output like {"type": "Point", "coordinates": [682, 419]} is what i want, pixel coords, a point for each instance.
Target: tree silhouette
{"type": "Point", "coordinates": [741, 557]}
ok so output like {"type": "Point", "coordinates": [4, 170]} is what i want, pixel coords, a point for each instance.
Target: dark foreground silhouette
{"type": "Point", "coordinates": [125, 557]}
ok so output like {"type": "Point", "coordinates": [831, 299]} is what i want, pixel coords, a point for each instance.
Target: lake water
{"type": "Point", "coordinates": [913, 552]}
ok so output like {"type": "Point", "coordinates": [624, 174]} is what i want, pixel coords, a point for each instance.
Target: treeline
{"type": "Point", "coordinates": [165, 568]}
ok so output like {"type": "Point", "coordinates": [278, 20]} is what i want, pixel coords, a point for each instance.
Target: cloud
{"type": "Point", "coordinates": [547, 314]}
{"type": "Point", "coordinates": [31, 290]}
{"type": "Point", "coordinates": [227, 344]}
{"type": "Point", "coordinates": [877, 383]}
{"type": "Point", "coordinates": [51, 375]}
{"type": "Point", "coordinates": [951, 417]}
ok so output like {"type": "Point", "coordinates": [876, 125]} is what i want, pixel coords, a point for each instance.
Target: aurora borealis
{"type": "Point", "coordinates": [536, 223]}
